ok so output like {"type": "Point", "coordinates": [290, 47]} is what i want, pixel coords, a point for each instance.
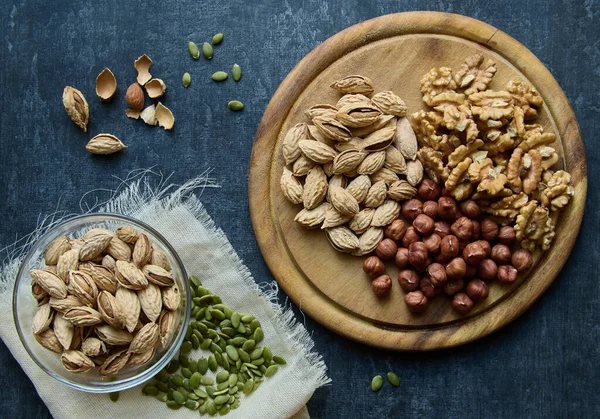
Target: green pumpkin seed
{"type": "Point", "coordinates": [183, 391]}
{"type": "Point", "coordinates": [249, 345]}
{"type": "Point", "coordinates": [204, 300]}
{"type": "Point", "coordinates": [236, 72]}
{"type": "Point", "coordinates": [211, 409]}
{"type": "Point", "coordinates": [207, 381]}
{"type": "Point", "coordinates": [114, 396]}
{"type": "Point", "coordinates": [233, 379]}
{"type": "Point", "coordinates": [195, 341]}
{"type": "Point", "coordinates": [195, 380]}
{"type": "Point", "coordinates": [193, 396]}
{"type": "Point", "coordinates": [170, 394]}
{"type": "Point", "coordinates": [230, 332]}
{"type": "Point", "coordinates": [243, 355]}
{"type": "Point", "coordinates": [193, 366]}
{"type": "Point", "coordinates": [267, 354]}
{"type": "Point", "coordinates": [200, 393]}
{"type": "Point", "coordinates": [238, 364]}
{"type": "Point", "coordinates": [232, 391]}
{"type": "Point", "coordinates": [210, 390]}
{"type": "Point", "coordinates": [193, 279]}
{"type": "Point", "coordinates": [246, 318]}
{"type": "Point", "coordinates": [254, 324]}
{"type": "Point", "coordinates": [393, 379]}
{"type": "Point", "coordinates": [192, 404]}
{"type": "Point", "coordinates": [186, 80]}
{"type": "Point", "coordinates": [271, 371]}
{"type": "Point", "coordinates": [215, 348]}
{"type": "Point", "coordinates": [207, 50]}
{"type": "Point", "coordinates": [235, 405]}
{"type": "Point", "coordinates": [203, 291]}
{"type": "Point", "coordinates": [161, 397]}
{"type": "Point", "coordinates": [217, 39]}
{"type": "Point", "coordinates": [219, 359]}
{"type": "Point", "coordinates": [220, 76]}
{"type": "Point", "coordinates": [224, 410]}
{"type": "Point", "coordinates": [202, 366]}
{"type": "Point", "coordinates": [196, 309]}
{"type": "Point", "coordinates": [257, 353]}
{"type": "Point", "coordinates": [193, 50]}
{"type": "Point", "coordinates": [262, 368]}
{"type": "Point", "coordinates": [186, 372]}
{"type": "Point", "coordinates": [235, 105]}
{"type": "Point", "coordinates": [258, 361]}
{"type": "Point", "coordinates": [258, 334]}
{"type": "Point", "coordinates": [279, 360]}
{"type": "Point", "coordinates": [149, 390]}
{"type": "Point", "coordinates": [232, 353]}
{"type": "Point", "coordinates": [235, 320]}
{"type": "Point", "coordinates": [223, 398]}
{"type": "Point", "coordinates": [175, 381]}
{"type": "Point", "coordinates": [172, 404]}
{"type": "Point", "coordinates": [205, 344]}
{"type": "Point", "coordinates": [228, 312]}
{"type": "Point", "coordinates": [222, 386]}
{"type": "Point", "coordinates": [178, 397]}
{"type": "Point", "coordinates": [238, 341]}
{"type": "Point", "coordinates": [376, 383]}
{"type": "Point", "coordinates": [172, 367]}
{"type": "Point", "coordinates": [222, 376]}
{"type": "Point", "coordinates": [162, 386]}
{"type": "Point", "coordinates": [186, 347]}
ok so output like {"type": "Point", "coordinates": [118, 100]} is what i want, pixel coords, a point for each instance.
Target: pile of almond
{"type": "Point", "coordinates": [352, 165]}
{"type": "Point", "coordinates": [107, 300]}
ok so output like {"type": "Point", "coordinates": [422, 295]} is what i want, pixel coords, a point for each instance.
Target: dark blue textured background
{"type": "Point", "coordinates": [545, 364]}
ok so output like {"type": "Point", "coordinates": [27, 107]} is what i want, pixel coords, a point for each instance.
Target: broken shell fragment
{"type": "Point", "coordinates": [155, 88]}
{"type": "Point", "coordinates": [106, 85]}
{"type": "Point", "coordinates": [148, 115]}
{"type": "Point", "coordinates": [142, 65]}
{"type": "Point", "coordinates": [164, 116]}
{"type": "Point", "coordinates": [132, 113]}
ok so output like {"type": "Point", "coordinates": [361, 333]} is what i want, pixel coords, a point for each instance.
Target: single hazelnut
{"type": "Point", "coordinates": [461, 303]}
{"type": "Point", "coordinates": [408, 280]}
{"type": "Point", "coordinates": [437, 274]}
{"type": "Point", "coordinates": [401, 258]}
{"type": "Point", "coordinates": [462, 228]}
{"type": "Point", "coordinates": [427, 288]}
{"type": "Point", "coordinates": [471, 271]}
{"type": "Point", "coordinates": [452, 286]}
{"type": "Point", "coordinates": [396, 230]}
{"type": "Point", "coordinates": [412, 208]}
{"type": "Point", "coordinates": [456, 268]}
{"type": "Point", "coordinates": [447, 208]}
{"type": "Point", "coordinates": [507, 274]}
{"type": "Point", "coordinates": [439, 258]}
{"type": "Point", "coordinates": [500, 254]}
{"type": "Point", "coordinates": [470, 209]}
{"type": "Point", "coordinates": [382, 285]}
{"type": "Point", "coordinates": [410, 237]}
{"type": "Point", "coordinates": [476, 230]}
{"type": "Point", "coordinates": [477, 290]}
{"type": "Point", "coordinates": [429, 190]}
{"type": "Point", "coordinates": [474, 253]}
{"type": "Point", "coordinates": [507, 235]}
{"type": "Point", "coordinates": [386, 249]}
{"type": "Point", "coordinates": [416, 302]}
{"type": "Point", "coordinates": [417, 255]}
{"type": "Point", "coordinates": [373, 266]}
{"type": "Point", "coordinates": [449, 246]}
{"type": "Point", "coordinates": [430, 208]}
{"type": "Point", "coordinates": [441, 228]}
{"type": "Point", "coordinates": [423, 224]}
{"type": "Point", "coordinates": [432, 242]}
{"type": "Point", "coordinates": [487, 270]}
{"type": "Point", "coordinates": [522, 260]}
{"type": "Point", "coordinates": [485, 245]}
{"type": "Point", "coordinates": [489, 229]}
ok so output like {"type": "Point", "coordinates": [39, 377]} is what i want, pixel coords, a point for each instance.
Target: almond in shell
{"type": "Point", "coordinates": [115, 362]}
{"type": "Point", "coordinates": [401, 190]}
{"type": "Point", "coordinates": [129, 276]}
{"type": "Point", "coordinates": [312, 218]}
{"type": "Point", "coordinates": [119, 250]}
{"type": "Point", "coordinates": [151, 301]}
{"type": "Point", "coordinates": [111, 310]}
{"type": "Point", "coordinates": [145, 339]}
{"type": "Point", "coordinates": [334, 218]}
{"type": "Point", "coordinates": [63, 329]}
{"type": "Point", "coordinates": [406, 140]}
{"type": "Point", "coordinates": [51, 283]}
{"type": "Point", "coordinates": [354, 84]}
{"type": "Point", "coordinates": [389, 103]}
{"type": "Point", "coordinates": [49, 341]}
{"type": "Point", "coordinates": [76, 361]}
{"type": "Point", "coordinates": [348, 160]}
{"type": "Point", "coordinates": [386, 175]}
{"type": "Point", "coordinates": [316, 151]}
{"type": "Point", "coordinates": [342, 239]}
{"type": "Point", "coordinates": [368, 241]}
{"type": "Point", "coordinates": [362, 221]}
{"type": "Point", "coordinates": [352, 99]}
{"type": "Point", "coordinates": [376, 195]}
{"type": "Point", "coordinates": [42, 319]}
{"type": "Point", "coordinates": [357, 115]}
{"type": "Point", "coordinates": [379, 140]}
{"type": "Point", "coordinates": [291, 187]}
{"type": "Point", "coordinates": [302, 165]}
{"type": "Point", "coordinates": [394, 160]}
{"type": "Point", "coordinates": [58, 246]}
{"type": "Point", "coordinates": [94, 246]}
{"type": "Point", "coordinates": [158, 275]}
{"type": "Point", "coordinates": [414, 170]}
{"type": "Point", "coordinates": [386, 213]}
{"type": "Point", "coordinates": [343, 201]}
{"type": "Point", "coordinates": [130, 304]}
{"type": "Point", "coordinates": [359, 187]}
{"type": "Point", "coordinates": [289, 146]}
{"type": "Point", "coordinates": [315, 188]}
{"type": "Point", "coordinates": [142, 250]}
{"type": "Point", "coordinates": [332, 129]}
{"type": "Point", "coordinates": [384, 121]}
{"type": "Point", "coordinates": [171, 297]}
{"type": "Point", "coordinates": [68, 261]}
{"type": "Point", "coordinates": [160, 258]}
{"type": "Point", "coordinates": [321, 110]}
{"type": "Point", "coordinates": [372, 163]}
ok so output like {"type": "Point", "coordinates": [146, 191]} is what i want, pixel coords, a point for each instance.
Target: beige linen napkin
{"type": "Point", "coordinates": [181, 219]}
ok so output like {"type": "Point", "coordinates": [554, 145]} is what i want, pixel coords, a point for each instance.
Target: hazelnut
{"type": "Point", "coordinates": [474, 253]}
{"type": "Point", "coordinates": [471, 271]}
{"type": "Point", "coordinates": [461, 303]}
{"type": "Point", "coordinates": [416, 302]}
{"type": "Point", "coordinates": [441, 228]}
{"type": "Point", "coordinates": [507, 274]}
{"type": "Point", "coordinates": [462, 244]}
{"type": "Point", "coordinates": [476, 230]}
{"type": "Point", "coordinates": [432, 242]}
{"type": "Point", "coordinates": [462, 228]}
{"type": "Point", "coordinates": [408, 280]}
{"type": "Point", "coordinates": [470, 209]}
{"type": "Point", "coordinates": [439, 258]}
{"type": "Point", "coordinates": [452, 286]}
{"type": "Point", "coordinates": [423, 224]}
{"type": "Point", "coordinates": [417, 255]}
{"type": "Point", "coordinates": [437, 274]}
{"type": "Point", "coordinates": [449, 246]}
{"type": "Point", "coordinates": [500, 254]}
{"type": "Point", "coordinates": [373, 266]}
{"type": "Point", "coordinates": [427, 288]}
{"type": "Point", "coordinates": [447, 208]}
{"type": "Point", "coordinates": [487, 248]}
{"type": "Point", "coordinates": [477, 290]}
{"type": "Point", "coordinates": [487, 270]}
{"type": "Point", "coordinates": [410, 237]}
{"type": "Point", "coordinates": [522, 260]}
{"type": "Point", "coordinates": [412, 208]}
{"type": "Point", "coordinates": [456, 268]}
{"type": "Point", "coordinates": [386, 249]}
{"type": "Point", "coordinates": [396, 230]}
{"type": "Point", "coordinates": [382, 285]}
{"type": "Point", "coordinates": [429, 190]}
{"type": "Point", "coordinates": [402, 258]}
{"type": "Point", "coordinates": [507, 235]}
{"type": "Point", "coordinates": [489, 229]}
{"type": "Point", "coordinates": [430, 208]}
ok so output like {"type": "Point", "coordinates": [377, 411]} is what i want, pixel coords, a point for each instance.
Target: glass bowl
{"type": "Point", "coordinates": [25, 307]}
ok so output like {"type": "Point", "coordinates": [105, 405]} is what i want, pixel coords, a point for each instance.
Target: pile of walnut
{"type": "Point", "coordinates": [107, 300]}
{"type": "Point", "coordinates": [446, 250]}
{"type": "Point", "coordinates": [484, 145]}
{"type": "Point", "coordinates": [345, 165]}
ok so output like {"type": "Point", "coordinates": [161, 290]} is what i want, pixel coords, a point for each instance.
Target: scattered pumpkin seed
{"type": "Point", "coordinates": [207, 381]}
{"type": "Point", "coordinates": [236, 72]}
{"type": "Point", "coordinates": [207, 50]}
{"type": "Point", "coordinates": [219, 76]}
{"type": "Point", "coordinates": [235, 105]}
{"type": "Point", "coordinates": [376, 383]}
{"type": "Point", "coordinates": [193, 50]}
{"type": "Point", "coordinates": [211, 409]}
{"type": "Point", "coordinates": [393, 379]}
{"type": "Point", "coordinates": [223, 398]}
{"type": "Point", "coordinates": [178, 397]}
{"type": "Point", "coordinates": [267, 354]}
{"type": "Point", "coordinates": [161, 397]}
{"type": "Point", "coordinates": [172, 404]}
{"type": "Point", "coordinates": [114, 396]}
{"type": "Point", "coordinates": [279, 360]}
{"type": "Point", "coordinates": [192, 404]}
{"type": "Point", "coordinates": [217, 39]}
{"type": "Point", "coordinates": [271, 371]}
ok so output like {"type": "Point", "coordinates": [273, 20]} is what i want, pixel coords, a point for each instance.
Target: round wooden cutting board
{"type": "Point", "coordinates": [394, 51]}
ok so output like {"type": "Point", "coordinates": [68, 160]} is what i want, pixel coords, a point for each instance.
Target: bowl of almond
{"type": "Point", "coordinates": [101, 302]}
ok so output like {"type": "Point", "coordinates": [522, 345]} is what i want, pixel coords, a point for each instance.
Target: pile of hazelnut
{"type": "Point", "coordinates": [448, 249]}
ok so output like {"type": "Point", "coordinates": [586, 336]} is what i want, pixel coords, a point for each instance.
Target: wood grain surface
{"type": "Point", "coordinates": [395, 51]}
